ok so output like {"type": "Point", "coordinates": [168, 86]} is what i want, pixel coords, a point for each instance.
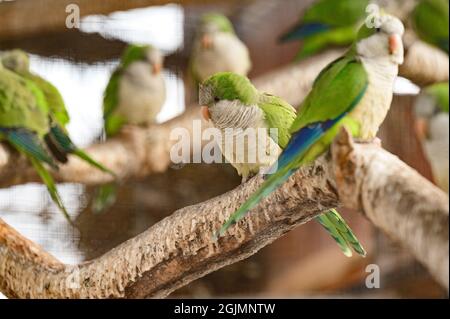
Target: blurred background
{"type": "Point", "coordinates": [305, 262]}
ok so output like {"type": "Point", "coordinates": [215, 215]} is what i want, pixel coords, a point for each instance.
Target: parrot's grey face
{"type": "Point", "coordinates": [209, 98]}
{"type": "Point", "coordinates": [17, 61]}
{"type": "Point", "coordinates": [155, 59]}
{"type": "Point", "coordinates": [384, 42]}
{"type": "Point", "coordinates": [206, 35]}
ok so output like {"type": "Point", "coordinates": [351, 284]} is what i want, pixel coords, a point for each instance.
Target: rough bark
{"type": "Point", "coordinates": [180, 248]}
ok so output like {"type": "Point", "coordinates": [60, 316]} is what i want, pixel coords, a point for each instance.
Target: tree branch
{"type": "Point", "coordinates": [180, 248]}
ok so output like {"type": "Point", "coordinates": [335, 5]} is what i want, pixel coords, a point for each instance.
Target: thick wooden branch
{"type": "Point", "coordinates": [424, 64]}
{"type": "Point", "coordinates": [180, 248]}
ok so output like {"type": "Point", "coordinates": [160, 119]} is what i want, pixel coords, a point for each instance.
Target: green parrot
{"type": "Point", "coordinates": [135, 94]}
{"type": "Point", "coordinates": [217, 48]}
{"type": "Point", "coordinates": [326, 23]}
{"type": "Point", "coordinates": [58, 139]}
{"type": "Point", "coordinates": [33, 118]}
{"type": "Point", "coordinates": [230, 101]}
{"type": "Point", "coordinates": [430, 22]}
{"type": "Point", "coordinates": [354, 91]}
{"type": "Point", "coordinates": [136, 91]}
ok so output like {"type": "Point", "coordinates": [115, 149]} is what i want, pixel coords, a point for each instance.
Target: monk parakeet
{"type": "Point", "coordinates": [135, 94]}
{"type": "Point", "coordinates": [232, 102]}
{"type": "Point", "coordinates": [25, 123]}
{"type": "Point", "coordinates": [326, 23]}
{"type": "Point", "coordinates": [432, 113]}
{"type": "Point", "coordinates": [218, 49]}
{"type": "Point", "coordinates": [58, 139]}
{"type": "Point", "coordinates": [136, 90]}
{"type": "Point", "coordinates": [430, 22]}
{"type": "Point", "coordinates": [354, 91]}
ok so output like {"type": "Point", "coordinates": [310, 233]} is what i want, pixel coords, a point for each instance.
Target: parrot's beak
{"type": "Point", "coordinates": [156, 68]}
{"type": "Point", "coordinates": [205, 113]}
{"type": "Point", "coordinates": [206, 42]}
{"type": "Point", "coordinates": [395, 42]}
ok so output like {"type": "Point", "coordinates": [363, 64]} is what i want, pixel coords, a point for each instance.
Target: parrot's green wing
{"type": "Point", "coordinates": [54, 99]}
{"type": "Point", "coordinates": [339, 36]}
{"type": "Point", "coordinates": [440, 92]}
{"type": "Point", "coordinates": [335, 92]}
{"type": "Point", "coordinates": [22, 104]}
{"type": "Point", "coordinates": [431, 22]}
{"type": "Point", "coordinates": [335, 12]}
{"type": "Point", "coordinates": [278, 114]}
{"type": "Point", "coordinates": [113, 122]}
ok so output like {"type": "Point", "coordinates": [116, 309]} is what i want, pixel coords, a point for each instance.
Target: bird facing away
{"type": "Point", "coordinates": [430, 22]}
{"type": "Point", "coordinates": [136, 91]}
{"type": "Point", "coordinates": [327, 23]}
{"type": "Point", "coordinates": [354, 92]}
{"type": "Point", "coordinates": [217, 49]}
{"type": "Point", "coordinates": [28, 124]}
{"type": "Point", "coordinates": [258, 123]}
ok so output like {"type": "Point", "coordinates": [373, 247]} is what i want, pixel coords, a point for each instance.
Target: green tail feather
{"type": "Point", "coordinates": [67, 145]}
{"type": "Point", "coordinates": [51, 186]}
{"type": "Point", "coordinates": [104, 197]}
{"type": "Point", "coordinates": [81, 154]}
{"type": "Point", "coordinates": [341, 233]}
{"type": "Point", "coordinates": [271, 183]}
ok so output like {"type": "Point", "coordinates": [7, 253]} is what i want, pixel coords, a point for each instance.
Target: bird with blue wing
{"type": "Point", "coordinates": [57, 138]}
{"type": "Point", "coordinates": [238, 109]}
{"type": "Point", "coordinates": [327, 23]}
{"type": "Point", "coordinates": [354, 92]}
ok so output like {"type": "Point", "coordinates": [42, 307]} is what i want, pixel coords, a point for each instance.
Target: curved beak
{"type": "Point", "coordinates": [206, 42]}
{"type": "Point", "coordinates": [395, 42]}
{"type": "Point", "coordinates": [205, 113]}
{"type": "Point", "coordinates": [156, 68]}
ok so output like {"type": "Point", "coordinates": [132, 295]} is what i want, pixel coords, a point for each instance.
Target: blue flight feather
{"type": "Point", "coordinates": [304, 30]}
{"type": "Point", "coordinates": [298, 145]}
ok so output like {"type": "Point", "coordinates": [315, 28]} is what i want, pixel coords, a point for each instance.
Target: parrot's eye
{"type": "Point", "coordinates": [378, 29]}
{"type": "Point", "coordinates": [216, 99]}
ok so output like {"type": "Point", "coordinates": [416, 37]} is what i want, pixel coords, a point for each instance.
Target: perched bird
{"type": "Point", "coordinates": [135, 94]}
{"type": "Point", "coordinates": [433, 122]}
{"type": "Point", "coordinates": [430, 22]}
{"type": "Point", "coordinates": [355, 92]}
{"type": "Point", "coordinates": [217, 49]}
{"type": "Point", "coordinates": [260, 123]}
{"type": "Point", "coordinates": [25, 123]}
{"type": "Point", "coordinates": [327, 23]}
{"type": "Point", "coordinates": [58, 140]}
{"type": "Point", "coordinates": [136, 91]}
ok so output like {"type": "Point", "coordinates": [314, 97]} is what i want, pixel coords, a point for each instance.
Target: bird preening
{"type": "Point", "coordinates": [33, 117]}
